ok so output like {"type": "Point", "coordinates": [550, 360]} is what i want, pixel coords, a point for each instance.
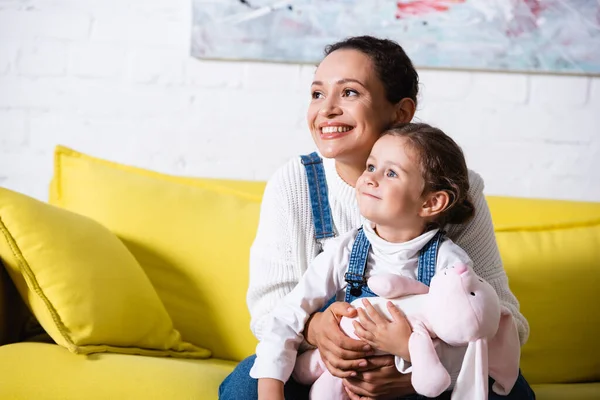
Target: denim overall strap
{"type": "Point", "coordinates": [428, 258]}
{"type": "Point", "coordinates": [319, 198]}
{"type": "Point", "coordinates": [357, 284]}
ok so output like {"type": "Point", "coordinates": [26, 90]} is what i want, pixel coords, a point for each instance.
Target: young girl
{"type": "Point", "coordinates": [415, 182]}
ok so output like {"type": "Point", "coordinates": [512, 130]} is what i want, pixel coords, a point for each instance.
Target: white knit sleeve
{"type": "Point", "coordinates": [273, 267]}
{"type": "Point", "coordinates": [477, 238]}
{"type": "Point", "coordinates": [277, 349]}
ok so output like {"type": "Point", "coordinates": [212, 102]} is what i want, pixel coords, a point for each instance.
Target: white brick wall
{"type": "Point", "coordinates": [115, 79]}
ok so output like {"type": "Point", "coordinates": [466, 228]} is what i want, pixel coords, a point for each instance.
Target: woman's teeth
{"type": "Point", "coordinates": [334, 129]}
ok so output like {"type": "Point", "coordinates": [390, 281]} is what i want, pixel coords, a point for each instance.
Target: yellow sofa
{"type": "Point", "coordinates": [191, 238]}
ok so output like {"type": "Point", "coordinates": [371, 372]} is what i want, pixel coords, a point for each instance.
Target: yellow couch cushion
{"type": "Point", "coordinates": [191, 236]}
{"type": "Point", "coordinates": [24, 375]}
{"type": "Point", "coordinates": [573, 391]}
{"type": "Point", "coordinates": [79, 280]}
{"type": "Point", "coordinates": [551, 252]}
{"type": "Point", "coordinates": [46, 371]}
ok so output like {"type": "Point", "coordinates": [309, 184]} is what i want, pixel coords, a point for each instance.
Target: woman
{"type": "Point", "coordinates": [362, 86]}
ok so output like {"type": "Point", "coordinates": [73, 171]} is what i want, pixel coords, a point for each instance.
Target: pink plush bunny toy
{"type": "Point", "coordinates": [461, 309]}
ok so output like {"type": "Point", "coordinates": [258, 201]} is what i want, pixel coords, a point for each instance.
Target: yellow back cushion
{"type": "Point", "coordinates": [191, 236]}
{"type": "Point", "coordinates": [551, 253]}
{"type": "Point", "coordinates": [84, 287]}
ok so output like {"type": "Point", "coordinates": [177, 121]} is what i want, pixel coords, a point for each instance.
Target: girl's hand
{"type": "Point", "coordinates": [270, 389]}
{"type": "Point", "coordinates": [342, 355]}
{"type": "Point", "coordinates": [379, 380]}
{"type": "Point", "coordinates": [382, 334]}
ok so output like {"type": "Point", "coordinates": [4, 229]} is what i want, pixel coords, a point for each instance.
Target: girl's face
{"type": "Point", "coordinates": [390, 190]}
{"type": "Point", "coordinates": [348, 109]}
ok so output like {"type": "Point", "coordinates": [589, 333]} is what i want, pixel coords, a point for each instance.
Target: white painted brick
{"type": "Point", "coordinates": [90, 98]}
{"type": "Point", "coordinates": [141, 31]}
{"type": "Point", "coordinates": [91, 8]}
{"type": "Point", "coordinates": [214, 74]}
{"type": "Point", "coordinates": [262, 76]}
{"type": "Point", "coordinates": [96, 60]}
{"type": "Point", "coordinates": [307, 75]}
{"type": "Point", "coordinates": [155, 65]}
{"type": "Point", "coordinates": [444, 85]}
{"type": "Point", "coordinates": [49, 25]}
{"type": "Point", "coordinates": [173, 10]}
{"type": "Point", "coordinates": [594, 96]}
{"type": "Point", "coordinates": [139, 102]}
{"type": "Point", "coordinates": [42, 58]}
{"type": "Point", "coordinates": [490, 87]}
{"type": "Point", "coordinates": [456, 119]}
{"type": "Point", "coordinates": [26, 93]}
{"type": "Point", "coordinates": [133, 94]}
{"type": "Point", "coordinates": [536, 123]}
{"type": "Point", "coordinates": [29, 184]}
{"type": "Point", "coordinates": [560, 91]}
{"type": "Point", "coordinates": [8, 55]}
{"type": "Point", "coordinates": [49, 129]}
{"type": "Point", "coordinates": [254, 108]}
{"type": "Point", "coordinates": [13, 131]}
{"type": "Point", "coordinates": [27, 172]}
{"type": "Point", "coordinates": [5, 61]}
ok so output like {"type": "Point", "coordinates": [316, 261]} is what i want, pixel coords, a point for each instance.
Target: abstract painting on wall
{"type": "Point", "coordinates": [555, 36]}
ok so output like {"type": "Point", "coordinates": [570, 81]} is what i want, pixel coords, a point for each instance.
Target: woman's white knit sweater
{"type": "Point", "coordinates": [285, 245]}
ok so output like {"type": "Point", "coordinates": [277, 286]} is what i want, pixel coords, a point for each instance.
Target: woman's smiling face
{"type": "Point", "coordinates": [349, 109]}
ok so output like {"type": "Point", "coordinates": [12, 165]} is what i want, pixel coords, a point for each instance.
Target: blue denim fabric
{"type": "Point", "coordinates": [319, 197]}
{"type": "Point", "coordinates": [240, 386]}
{"type": "Point", "coordinates": [358, 263]}
{"type": "Point", "coordinates": [355, 276]}
{"type": "Point", "coordinates": [428, 258]}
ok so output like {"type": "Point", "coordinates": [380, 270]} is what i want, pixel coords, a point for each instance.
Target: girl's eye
{"type": "Point", "coordinates": [391, 174]}
{"type": "Point", "coordinates": [370, 167]}
{"type": "Point", "coordinates": [316, 95]}
{"type": "Point", "coordinates": [350, 92]}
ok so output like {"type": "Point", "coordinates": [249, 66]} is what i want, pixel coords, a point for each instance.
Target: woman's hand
{"type": "Point", "coordinates": [342, 355]}
{"type": "Point", "coordinates": [390, 337]}
{"type": "Point", "coordinates": [379, 380]}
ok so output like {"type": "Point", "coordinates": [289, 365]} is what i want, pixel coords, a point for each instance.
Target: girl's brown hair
{"type": "Point", "coordinates": [443, 168]}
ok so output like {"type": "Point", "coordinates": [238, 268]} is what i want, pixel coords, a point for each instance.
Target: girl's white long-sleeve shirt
{"type": "Point", "coordinates": [285, 244]}
{"type": "Point", "coordinates": [277, 350]}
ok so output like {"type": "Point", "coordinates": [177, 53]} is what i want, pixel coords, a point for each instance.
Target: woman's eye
{"type": "Point", "coordinates": [350, 92]}
{"type": "Point", "coordinates": [391, 174]}
{"type": "Point", "coordinates": [370, 167]}
{"type": "Point", "coordinates": [316, 95]}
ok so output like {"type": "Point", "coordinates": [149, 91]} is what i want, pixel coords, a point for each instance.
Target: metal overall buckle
{"type": "Point", "coordinates": [356, 283]}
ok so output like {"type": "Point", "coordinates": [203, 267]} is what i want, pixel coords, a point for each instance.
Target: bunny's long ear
{"type": "Point", "coordinates": [504, 354]}
{"type": "Point", "coordinates": [472, 382]}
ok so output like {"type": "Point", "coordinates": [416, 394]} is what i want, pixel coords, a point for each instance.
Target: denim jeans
{"type": "Point", "coordinates": [240, 386]}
